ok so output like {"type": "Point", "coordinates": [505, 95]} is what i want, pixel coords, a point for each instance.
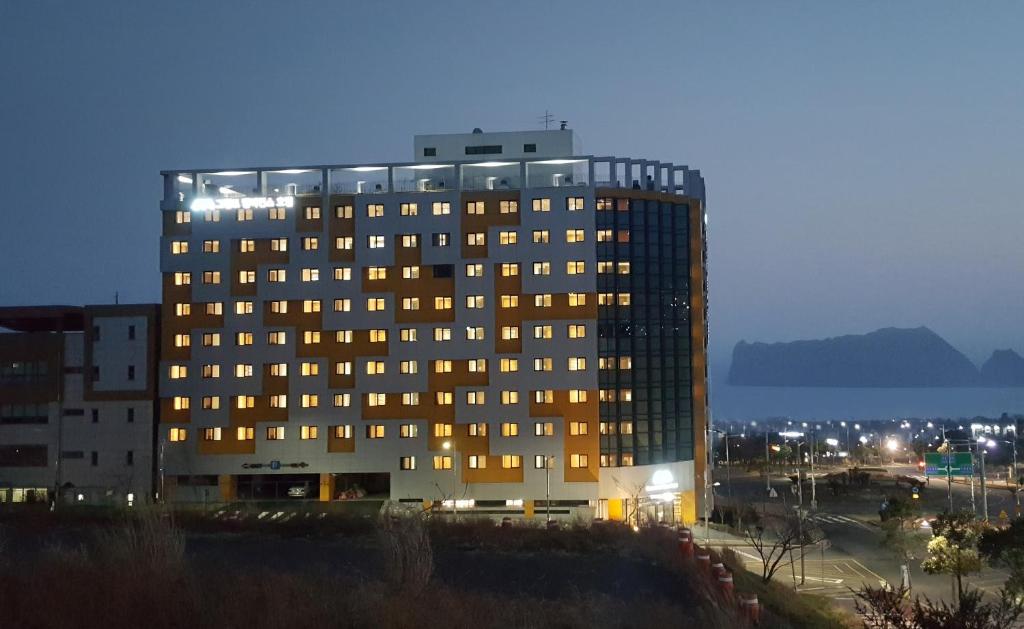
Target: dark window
{"type": "Point", "coordinates": [74, 412]}
{"type": "Point", "coordinates": [131, 372]}
{"type": "Point", "coordinates": [95, 374]}
{"type": "Point", "coordinates": [23, 456]}
{"type": "Point", "coordinates": [95, 458]}
{"type": "Point", "coordinates": [487, 149]}
{"type": "Point", "coordinates": [429, 151]}
{"type": "Point", "coordinates": [72, 454]}
{"type": "Point", "coordinates": [95, 415]}
{"type": "Point", "coordinates": [131, 333]}
{"type": "Point", "coordinates": [444, 270]}
{"type": "Point", "coordinates": [95, 333]}
{"type": "Point", "coordinates": [23, 414]}
{"type": "Point", "coordinates": [129, 458]}
{"type": "Point", "coordinates": [529, 148]}
{"type": "Point", "coordinates": [131, 415]}
{"type": "Point", "coordinates": [440, 239]}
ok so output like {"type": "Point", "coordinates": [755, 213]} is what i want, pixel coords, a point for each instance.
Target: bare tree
{"type": "Point", "coordinates": [775, 540]}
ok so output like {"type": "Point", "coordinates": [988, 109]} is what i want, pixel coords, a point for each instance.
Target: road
{"type": "Point", "coordinates": [850, 522]}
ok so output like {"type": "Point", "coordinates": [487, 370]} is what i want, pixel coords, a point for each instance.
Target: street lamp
{"type": "Point", "coordinates": [450, 445]}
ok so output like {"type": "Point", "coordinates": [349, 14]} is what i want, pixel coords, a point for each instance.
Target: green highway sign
{"type": "Point", "coordinates": [959, 464]}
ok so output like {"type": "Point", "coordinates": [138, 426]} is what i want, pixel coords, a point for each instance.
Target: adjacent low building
{"type": "Point", "coordinates": [502, 322]}
{"type": "Point", "coordinates": [77, 400]}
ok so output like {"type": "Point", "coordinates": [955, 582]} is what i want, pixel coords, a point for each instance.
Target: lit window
{"type": "Point", "coordinates": [343, 211]}
{"type": "Point", "coordinates": [374, 273]}
{"type": "Point", "coordinates": [511, 461]}
{"type": "Point", "coordinates": [211, 246]}
{"type": "Point", "coordinates": [343, 368]}
{"type": "Point", "coordinates": [574, 267]}
{"type": "Point", "coordinates": [442, 303]}
{"type": "Point", "coordinates": [343, 243]}
{"type": "Point", "coordinates": [408, 431]}
{"type": "Point", "coordinates": [374, 304]}
{"type": "Point", "coordinates": [577, 396]}
{"type": "Point", "coordinates": [342, 400]}
{"type": "Point", "coordinates": [441, 207]}
{"type": "Point", "coordinates": [211, 434]}
{"type": "Point", "coordinates": [214, 308]}
{"type": "Point", "coordinates": [509, 397]}
{"type": "Point", "coordinates": [342, 305]}
{"type": "Point", "coordinates": [374, 367]}
{"type": "Point", "coordinates": [310, 275]}
{"type": "Point", "coordinates": [408, 209]}
{"type": "Point", "coordinates": [510, 301]}
{"type": "Point", "coordinates": [310, 243]}
{"type": "Point", "coordinates": [477, 365]}
{"type": "Point", "coordinates": [476, 239]}
{"type": "Point", "coordinates": [605, 299]}
{"type": "Point", "coordinates": [279, 244]}
{"type": "Point", "coordinates": [576, 330]}
{"type": "Point", "coordinates": [310, 305]}
{"type": "Point", "coordinates": [182, 217]}
{"type": "Point", "coordinates": [410, 272]}
{"type": "Point", "coordinates": [247, 277]}
{"type": "Point", "coordinates": [376, 399]}
{"type": "Point", "coordinates": [410, 241]}
{"type": "Point", "coordinates": [478, 429]}
{"type": "Point", "coordinates": [509, 365]}
{"type": "Point", "coordinates": [375, 210]}
{"type": "Point", "coordinates": [542, 268]}
{"type": "Point", "coordinates": [244, 214]}
{"type": "Point", "coordinates": [277, 337]}
{"type": "Point", "coordinates": [623, 268]}
{"type": "Point", "coordinates": [605, 267]}
{"type": "Point", "coordinates": [443, 398]}
{"type": "Point", "coordinates": [509, 429]}
{"type": "Point", "coordinates": [243, 307]}
{"type": "Point", "coordinates": [407, 335]}
{"type": "Point", "coordinates": [342, 273]}
{"type": "Point", "coordinates": [312, 213]}
{"type": "Point", "coordinates": [574, 235]}
{"type": "Point", "coordinates": [509, 269]}
{"type": "Point", "coordinates": [177, 434]}
{"type": "Point", "coordinates": [442, 334]}
{"type": "Point", "coordinates": [245, 401]}
{"type": "Point", "coordinates": [276, 275]}
{"type": "Point", "coordinates": [540, 461]}
{"type": "Point", "coordinates": [577, 428]}
{"type": "Point", "coordinates": [245, 433]}
{"type": "Point", "coordinates": [477, 461]}
{"type": "Point", "coordinates": [310, 369]}
{"type": "Point", "coordinates": [308, 432]}
{"type": "Point", "coordinates": [541, 236]}
{"type": "Point", "coordinates": [605, 204]}
{"type": "Point", "coordinates": [310, 337]}
{"type": "Point", "coordinates": [542, 205]}
{"type": "Point", "coordinates": [604, 235]}
{"type": "Point", "coordinates": [577, 299]}
{"type": "Point", "coordinates": [574, 204]}
{"type": "Point", "coordinates": [411, 399]}
{"type": "Point", "coordinates": [182, 403]}
{"type": "Point", "coordinates": [279, 306]}
{"type": "Point", "coordinates": [475, 397]}
{"type": "Point", "coordinates": [508, 237]}
{"type": "Point", "coordinates": [442, 366]}
{"type": "Point", "coordinates": [442, 462]}
{"type": "Point", "coordinates": [408, 366]}
{"type": "Point", "coordinates": [542, 331]}
{"type": "Point", "coordinates": [542, 364]}
{"type": "Point", "coordinates": [442, 430]}
{"type": "Point", "coordinates": [440, 239]}
{"type": "Point", "coordinates": [474, 270]}
{"type": "Point", "coordinates": [343, 336]}
{"type": "Point", "coordinates": [182, 279]}
{"type": "Point", "coordinates": [182, 340]}
{"type": "Point", "coordinates": [278, 370]}
{"type": "Point", "coordinates": [508, 207]}
{"type": "Point", "coordinates": [242, 370]}
{"type": "Point", "coordinates": [410, 303]}
{"type": "Point", "coordinates": [211, 371]}
{"type": "Point", "coordinates": [544, 429]}
{"type": "Point", "coordinates": [577, 363]}
{"type": "Point", "coordinates": [626, 428]}
{"type": "Point", "coordinates": [474, 301]}
{"type": "Point", "coordinates": [474, 333]}
{"type": "Point", "coordinates": [624, 299]}
{"type": "Point", "coordinates": [211, 339]}
{"type": "Point", "coordinates": [279, 401]}
{"type": "Point", "coordinates": [276, 213]}
{"type": "Point", "coordinates": [343, 431]}
{"type": "Point", "coordinates": [179, 247]}
{"type": "Point", "coordinates": [474, 207]}
{"type": "Point", "coordinates": [578, 460]}
{"type": "Point", "coordinates": [407, 462]}
{"type": "Point", "coordinates": [544, 396]}
{"type": "Point", "coordinates": [509, 332]}
{"type": "Point", "coordinates": [542, 301]}
{"type": "Point", "coordinates": [275, 433]}
{"type": "Point", "coordinates": [212, 216]}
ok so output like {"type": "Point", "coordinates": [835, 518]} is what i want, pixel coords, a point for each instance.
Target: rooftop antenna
{"type": "Point", "coordinates": [547, 119]}
{"type": "Point", "coordinates": [564, 123]}
{"type": "Point", "coordinates": [117, 297]}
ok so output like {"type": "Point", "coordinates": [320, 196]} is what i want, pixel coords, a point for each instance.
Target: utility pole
{"type": "Point", "coordinates": [800, 522]}
{"type": "Point", "coordinates": [548, 462]}
{"type": "Point", "coordinates": [814, 493]}
{"type": "Point", "coordinates": [1013, 476]}
{"type": "Point", "coordinates": [984, 489]}
{"type": "Point", "coordinates": [949, 470]}
{"type": "Point", "coordinates": [767, 465]}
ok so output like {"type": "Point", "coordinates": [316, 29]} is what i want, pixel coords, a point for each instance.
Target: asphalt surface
{"type": "Point", "coordinates": [854, 553]}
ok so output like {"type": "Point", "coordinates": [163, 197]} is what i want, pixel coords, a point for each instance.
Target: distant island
{"type": "Point", "coordinates": [890, 357]}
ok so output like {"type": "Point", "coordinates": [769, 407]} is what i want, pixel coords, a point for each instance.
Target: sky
{"type": "Point", "coordinates": [862, 160]}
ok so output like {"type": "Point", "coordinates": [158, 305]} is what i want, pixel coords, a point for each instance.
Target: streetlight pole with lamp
{"type": "Point", "coordinates": [450, 445]}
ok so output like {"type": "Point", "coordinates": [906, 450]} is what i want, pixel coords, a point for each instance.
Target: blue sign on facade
{"type": "Point", "coordinates": [275, 465]}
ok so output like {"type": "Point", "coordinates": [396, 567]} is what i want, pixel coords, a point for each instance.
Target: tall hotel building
{"type": "Point", "coordinates": [501, 320]}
